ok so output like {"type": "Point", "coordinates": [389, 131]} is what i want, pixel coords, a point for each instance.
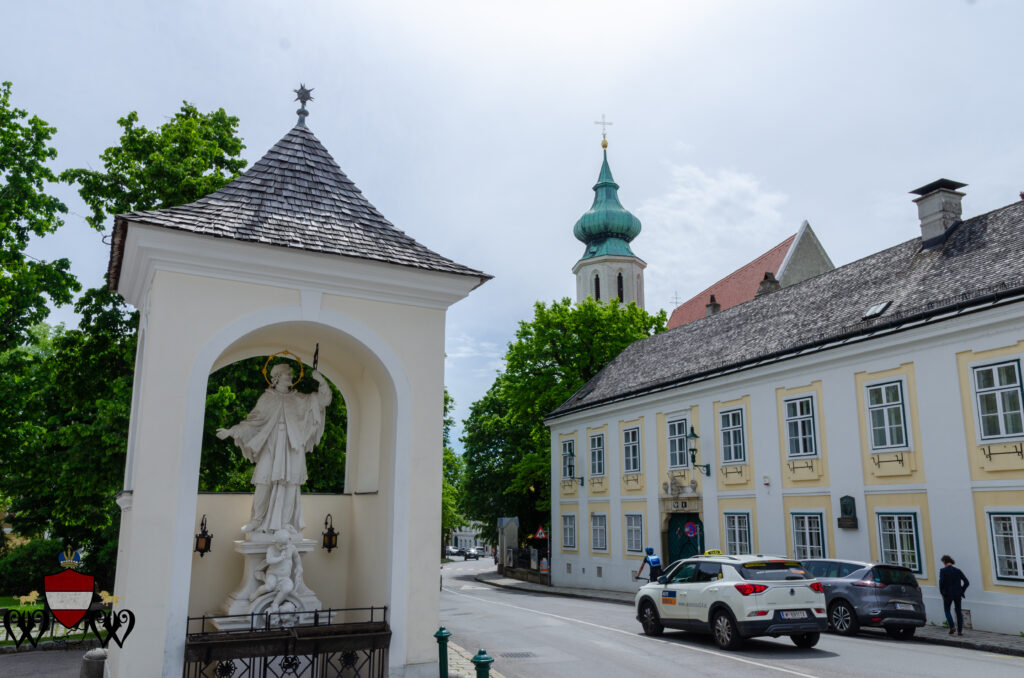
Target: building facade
{"type": "Point", "coordinates": [871, 412]}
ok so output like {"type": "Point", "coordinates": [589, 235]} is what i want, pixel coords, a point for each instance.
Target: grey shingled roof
{"type": "Point", "coordinates": [981, 260]}
{"type": "Point", "coordinates": [294, 196]}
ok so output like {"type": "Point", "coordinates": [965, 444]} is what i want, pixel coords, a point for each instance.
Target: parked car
{"type": "Point", "coordinates": [869, 594]}
{"type": "Point", "coordinates": [473, 553]}
{"type": "Point", "coordinates": [451, 551]}
{"type": "Point", "coordinates": [733, 598]}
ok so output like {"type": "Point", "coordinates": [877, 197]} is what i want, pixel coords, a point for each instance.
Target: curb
{"type": "Point", "coordinates": [949, 642]}
{"type": "Point", "coordinates": [563, 594]}
{"type": "Point", "coordinates": [972, 645]}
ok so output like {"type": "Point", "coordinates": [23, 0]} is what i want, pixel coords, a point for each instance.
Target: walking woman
{"type": "Point", "coordinates": [953, 585]}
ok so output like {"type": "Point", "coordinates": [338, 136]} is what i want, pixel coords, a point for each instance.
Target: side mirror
{"type": "Point", "coordinates": [662, 579]}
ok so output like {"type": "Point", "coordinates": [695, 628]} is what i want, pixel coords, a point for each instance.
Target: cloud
{"type": "Point", "coordinates": [706, 225]}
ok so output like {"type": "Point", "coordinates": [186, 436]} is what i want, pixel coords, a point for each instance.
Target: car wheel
{"type": "Point", "coordinates": [806, 640]}
{"type": "Point", "coordinates": [649, 619]}
{"type": "Point", "coordinates": [727, 636]}
{"type": "Point", "coordinates": [842, 618]}
{"type": "Point", "coordinates": [900, 632]}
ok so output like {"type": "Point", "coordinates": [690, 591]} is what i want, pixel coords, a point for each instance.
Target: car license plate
{"type": "Point", "coordinates": [794, 614]}
{"type": "Point", "coordinates": [904, 606]}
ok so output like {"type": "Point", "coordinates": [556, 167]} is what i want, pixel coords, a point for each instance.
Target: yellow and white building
{"type": "Point", "coordinates": [874, 411]}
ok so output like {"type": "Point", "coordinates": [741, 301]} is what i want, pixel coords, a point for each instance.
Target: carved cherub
{"type": "Point", "coordinates": [281, 571]}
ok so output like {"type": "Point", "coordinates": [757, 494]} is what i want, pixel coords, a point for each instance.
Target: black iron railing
{"type": "Point", "coordinates": [322, 643]}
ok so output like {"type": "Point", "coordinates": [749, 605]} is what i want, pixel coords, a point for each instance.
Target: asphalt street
{"type": "Point", "coordinates": [535, 635]}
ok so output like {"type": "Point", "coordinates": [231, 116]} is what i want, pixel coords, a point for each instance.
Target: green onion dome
{"type": "Point", "coordinates": [607, 227]}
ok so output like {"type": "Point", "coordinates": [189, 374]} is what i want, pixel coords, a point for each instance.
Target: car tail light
{"type": "Point", "coordinates": [817, 587]}
{"type": "Point", "coordinates": [747, 589]}
{"type": "Point", "coordinates": [819, 610]}
{"type": "Point", "coordinates": [757, 613]}
{"type": "Point", "coordinates": [869, 583]}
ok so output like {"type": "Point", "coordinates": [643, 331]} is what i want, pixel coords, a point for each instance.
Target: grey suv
{"type": "Point", "coordinates": [869, 594]}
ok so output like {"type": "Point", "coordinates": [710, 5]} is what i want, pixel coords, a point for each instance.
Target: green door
{"type": "Point", "coordinates": [685, 536]}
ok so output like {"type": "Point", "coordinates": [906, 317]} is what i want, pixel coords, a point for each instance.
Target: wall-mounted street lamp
{"type": "Point", "coordinates": [572, 469]}
{"type": "Point", "coordinates": [204, 539]}
{"type": "Point", "coordinates": [330, 534]}
{"type": "Point", "coordinates": [691, 439]}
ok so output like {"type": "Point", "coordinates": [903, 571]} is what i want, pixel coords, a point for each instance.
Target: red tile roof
{"type": "Point", "coordinates": [737, 287]}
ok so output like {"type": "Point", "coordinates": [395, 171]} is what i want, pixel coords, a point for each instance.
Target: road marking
{"type": "Point", "coordinates": [633, 634]}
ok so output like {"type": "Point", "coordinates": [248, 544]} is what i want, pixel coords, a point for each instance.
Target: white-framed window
{"type": "Point", "coordinates": [631, 450]}
{"type": "Point", "coordinates": [737, 534]}
{"type": "Point", "coordinates": [734, 448]}
{"type": "Point", "coordinates": [635, 532]}
{"type": "Point", "coordinates": [801, 437]}
{"type": "Point", "coordinates": [998, 391]}
{"type": "Point", "coordinates": [1007, 533]}
{"type": "Point", "coordinates": [569, 531]}
{"type": "Point", "coordinates": [678, 457]}
{"type": "Point", "coordinates": [808, 536]}
{"type": "Point", "coordinates": [568, 459]}
{"type": "Point", "coordinates": [899, 540]}
{"type": "Point", "coordinates": [597, 454]}
{"type": "Point", "coordinates": [599, 531]}
{"type": "Point", "coordinates": [887, 415]}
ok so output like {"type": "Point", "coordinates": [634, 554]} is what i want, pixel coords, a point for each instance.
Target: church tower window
{"type": "Point", "coordinates": [621, 297]}
{"type": "Point", "coordinates": [597, 287]}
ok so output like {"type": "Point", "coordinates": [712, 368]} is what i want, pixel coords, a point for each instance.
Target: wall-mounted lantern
{"type": "Point", "coordinates": [330, 534]}
{"type": "Point", "coordinates": [204, 540]}
{"type": "Point", "coordinates": [691, 439]}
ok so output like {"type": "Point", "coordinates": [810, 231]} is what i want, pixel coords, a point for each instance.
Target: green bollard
{"type": "Point", "coordinates": [483, 663]}
{"type": "Point", "coordinates": [442, 650]}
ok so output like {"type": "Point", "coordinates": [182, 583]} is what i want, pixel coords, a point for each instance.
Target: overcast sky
{"type": "Point", "coordinates": [470, 124]}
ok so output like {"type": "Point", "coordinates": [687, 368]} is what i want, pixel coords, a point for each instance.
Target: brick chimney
{"type": "Point", "coordinates": [712, 307]}
{"type": "Point", "coordinates": [938, 207]}
{"type": "Point", "coordinates": [768, 285]}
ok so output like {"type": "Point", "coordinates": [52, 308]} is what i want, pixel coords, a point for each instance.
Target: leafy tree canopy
{"type": "Point", "coordinates": [188, 157]}
{"type": "Point", "coordinates": [26, 210]}
{"type": "Point", "coordinates": [507, 444]}
{"type": "Point", "coordinates": [452, 471]}
{"type": "Point", "coordinates": [67, 393]}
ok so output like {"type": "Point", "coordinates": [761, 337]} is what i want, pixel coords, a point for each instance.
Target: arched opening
{"type": "Point", "coordinates": [349, 471]}
{"type": "Point", "coordinates": [620, 286]}
{"type": "Point", "coordinates": [597, 287]}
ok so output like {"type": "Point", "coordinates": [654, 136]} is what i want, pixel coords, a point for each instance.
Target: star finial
{"type": "Point", "coordinates": [604, 129]}
{"type": "Point", "coordinates": [304, 95]}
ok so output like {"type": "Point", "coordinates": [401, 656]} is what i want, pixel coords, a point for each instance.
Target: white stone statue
{"type": "Point", "coordinates": [277, 435]}
{"type": "Point", "coordinates": [280, 571]}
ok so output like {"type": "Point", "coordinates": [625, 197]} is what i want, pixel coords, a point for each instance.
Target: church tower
{"type": "Point", "coordinates": [608, 268]}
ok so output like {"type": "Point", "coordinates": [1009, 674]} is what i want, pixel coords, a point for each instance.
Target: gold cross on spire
{"type": "Point", "coordinates": [604, 129]}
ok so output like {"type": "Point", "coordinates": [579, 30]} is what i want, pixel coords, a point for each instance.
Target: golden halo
{"type": "Point", "coordinates": [271, 357]}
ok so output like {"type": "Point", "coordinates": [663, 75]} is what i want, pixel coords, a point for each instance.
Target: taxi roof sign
{"type": "Point", "coordinates": [713, 552]}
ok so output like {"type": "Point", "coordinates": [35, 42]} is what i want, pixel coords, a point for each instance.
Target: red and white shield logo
{"type": "Point", "coordinates": [69, 595]}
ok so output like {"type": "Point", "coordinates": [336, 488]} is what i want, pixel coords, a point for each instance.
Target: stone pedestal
{"type": "Point", "coordinates": [244, 600]}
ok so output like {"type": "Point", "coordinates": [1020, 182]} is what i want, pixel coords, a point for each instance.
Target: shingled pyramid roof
{"type": "Point", "coordinates": [294, 196]}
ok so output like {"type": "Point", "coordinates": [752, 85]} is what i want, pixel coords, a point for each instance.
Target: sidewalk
{"type": "Point", "coordinates": [986, 641]}
{"type": "Point", "coordinates": [460, 664]}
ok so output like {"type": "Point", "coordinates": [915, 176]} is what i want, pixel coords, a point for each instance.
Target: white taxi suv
{"type": "Point", "coordinates": [735, 597]}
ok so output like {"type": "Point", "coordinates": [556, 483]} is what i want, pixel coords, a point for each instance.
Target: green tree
{"type": "Point", "coordinates": [452, 471]}
{"type": "Point", "coordinates": [26, 210]}
{"type": "Point", "coordinates": [188, 157]}
{"type": "Point", "coordinates": [67, 393]}
{"type": "Point", "coordinates": [70, 393]}
{"type": "Point", "coordinates": [507, 444]}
